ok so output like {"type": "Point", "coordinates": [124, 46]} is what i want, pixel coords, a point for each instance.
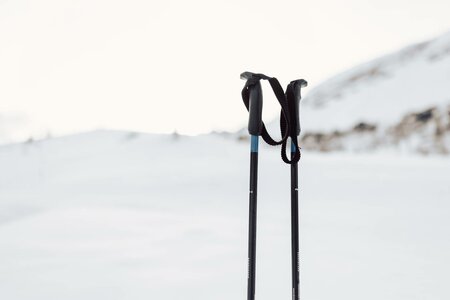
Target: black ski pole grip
{"type": "Point", "coordinates": [295, 107]}
{"type": "Point", "coordinates": [255, 101]}
{"type": "Point", "coordinates": [255, 109]}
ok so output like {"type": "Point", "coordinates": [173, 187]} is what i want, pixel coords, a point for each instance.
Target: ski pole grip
{"type": "Point", "coordinates": [255, 109]}
{"type": "Point", "coordinates": [297, 86]}
{"type": "Point", "coordinates": [255, 101]}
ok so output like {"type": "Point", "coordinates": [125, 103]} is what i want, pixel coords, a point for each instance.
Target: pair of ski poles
{"type": "Point", "coordinates": [290, 129]}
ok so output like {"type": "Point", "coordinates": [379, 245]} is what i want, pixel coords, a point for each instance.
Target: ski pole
{"type": "Point", "coordinates": [254, 128]}
{"type": "Point", "coordinates": [294, 110]}
{"type": "Point", "coordinates": [290, 127]}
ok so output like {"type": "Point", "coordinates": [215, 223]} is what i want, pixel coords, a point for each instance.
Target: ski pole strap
{"type": "Point", "coordinates": [293, 97]}
{"type": "Point", "coordinates": [253, 79]}
{"type": "Point", "coordinates": [289, 115]}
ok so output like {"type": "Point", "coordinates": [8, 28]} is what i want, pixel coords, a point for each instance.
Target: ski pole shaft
{"type": "Point", "coordinates": [295, 122]}
{"type": "Point", "coordinates": [254, 128]}
{"type": "Point", "coordinates": [252, 217]}
{"type": "Point", "coordinates": [295, 229]}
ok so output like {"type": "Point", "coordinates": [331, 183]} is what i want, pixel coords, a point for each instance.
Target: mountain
{"type": "Point", "coordinates": [398, 102]}
{"type": "Point", "coordinates": [124, 215]}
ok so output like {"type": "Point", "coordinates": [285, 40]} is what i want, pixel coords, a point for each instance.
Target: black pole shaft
{"type": "Point", "coordinates": [252, 218]}
{"type": "Point", "coordinates": [295, 230]}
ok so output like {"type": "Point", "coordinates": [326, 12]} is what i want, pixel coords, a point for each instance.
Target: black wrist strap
{"type": "Point", "coordinates": [279, 94]}
{"type": "Point", "coordinates": [287, 115]}
{"type": "Point", "coordinates": [291, 129]}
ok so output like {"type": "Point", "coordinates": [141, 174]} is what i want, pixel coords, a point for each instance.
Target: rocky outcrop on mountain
{"type": "Point", "coordinates": [425, 132]}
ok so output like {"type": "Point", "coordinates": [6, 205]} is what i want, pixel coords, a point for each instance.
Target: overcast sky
{"type": "Point", "coordinates": [159, 66]}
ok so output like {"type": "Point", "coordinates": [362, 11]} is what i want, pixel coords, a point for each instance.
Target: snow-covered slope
{"type": "Point", "coordinates": [119, 215]}
{"type": "Point", "coordinates": [400, 101]}
{"type": "Point", "coordinates": [384, 90]}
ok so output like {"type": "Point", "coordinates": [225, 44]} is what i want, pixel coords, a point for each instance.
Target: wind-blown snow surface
{"type": "Point", "coordinates": [116, 215]}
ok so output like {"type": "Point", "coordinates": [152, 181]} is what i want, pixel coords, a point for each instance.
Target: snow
{"type": "Point", "coordinates": [382, 91]}
{"type": "Point", "coordinates": [119, 215]}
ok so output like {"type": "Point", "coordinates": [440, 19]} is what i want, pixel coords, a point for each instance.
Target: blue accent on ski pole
{"type": "Point", "coordinates": [254, 143]}
{"type": "Point", "coordinates": [293, 148]}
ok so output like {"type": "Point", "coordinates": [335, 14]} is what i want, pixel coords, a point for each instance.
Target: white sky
{"type": "Point", "coordinates": [159, 66]}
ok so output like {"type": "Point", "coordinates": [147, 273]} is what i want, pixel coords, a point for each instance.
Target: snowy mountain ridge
{"type": "Point", "coordinates": [399, 102]}
{"type": "Point", "coordinates": [400, 69]}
